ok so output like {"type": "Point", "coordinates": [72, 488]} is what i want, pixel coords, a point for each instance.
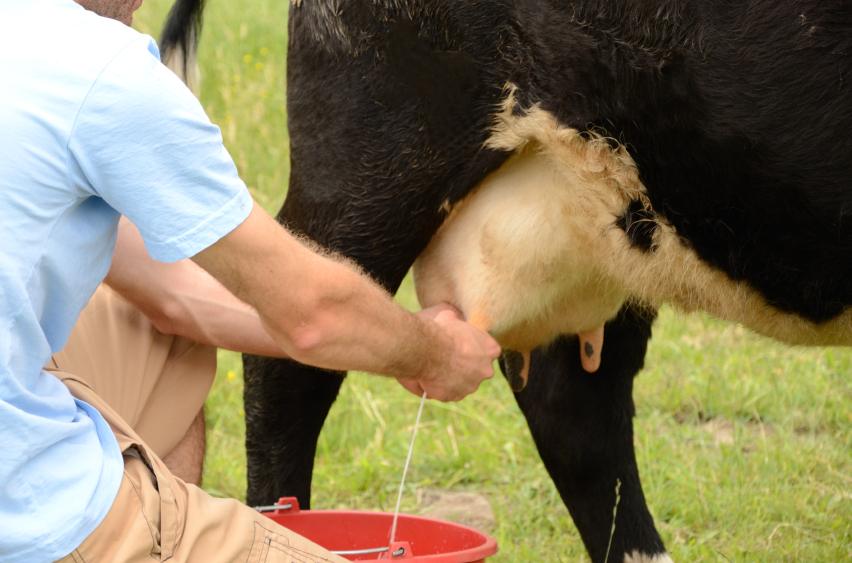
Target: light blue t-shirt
{"type": "Point", "coordinates": [91, 126]}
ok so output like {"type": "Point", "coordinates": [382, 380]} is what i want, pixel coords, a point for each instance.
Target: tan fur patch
{"type": "Point", "coordinates": [535, 248]}
{"type": "Point", "coordinates": [517, 253]}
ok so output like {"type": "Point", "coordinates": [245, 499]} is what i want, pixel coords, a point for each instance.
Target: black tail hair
{"type": "Point", "coordinates": [180, 36]}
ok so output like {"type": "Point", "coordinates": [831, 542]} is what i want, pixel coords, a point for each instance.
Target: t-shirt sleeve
{"type": "Point", "coordinates": [143, 143]}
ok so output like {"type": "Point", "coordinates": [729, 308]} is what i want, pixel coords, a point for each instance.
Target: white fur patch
{"type": "Point", "coordinates": [638, 557]}
{"type": "Point", "coordinates": [190, 75]}
{"type": "Point", "coordinates": [534, 251]}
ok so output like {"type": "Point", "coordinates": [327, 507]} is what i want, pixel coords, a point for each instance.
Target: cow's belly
{"type": "Point", "coordinates": [535, 251]}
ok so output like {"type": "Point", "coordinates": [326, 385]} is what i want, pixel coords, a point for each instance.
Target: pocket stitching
{"type": "Point", "coordinates": [253, 539]}
{"type": "Point", "coordinates": [281, 543]}
{"type": "Point", "coordinates": [272, 539]}
{"type": "Point", "coordinates": [294, 552]}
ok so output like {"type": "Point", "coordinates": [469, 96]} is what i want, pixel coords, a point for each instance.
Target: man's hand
{"type": "Point", "coordinates": [469, 363]}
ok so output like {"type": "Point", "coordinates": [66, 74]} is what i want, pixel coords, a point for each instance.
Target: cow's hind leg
{"type": "Point", "coordinates": [583, 428]}
{"type": "Point", "coordinates": [286, 403]}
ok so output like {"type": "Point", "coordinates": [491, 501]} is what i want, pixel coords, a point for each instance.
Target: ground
{"type": "Point", "coordinates": [743, 444]}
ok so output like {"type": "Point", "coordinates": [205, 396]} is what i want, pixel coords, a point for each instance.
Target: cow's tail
{"type": "Point", "coordinates": [179, 41]}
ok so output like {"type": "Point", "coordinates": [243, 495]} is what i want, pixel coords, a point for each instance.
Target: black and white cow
{"type": "Point", "coordinates": [694, 152]}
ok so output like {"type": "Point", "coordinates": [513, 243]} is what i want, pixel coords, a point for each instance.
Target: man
{"type": "Point", "coordinates": [93, 127]}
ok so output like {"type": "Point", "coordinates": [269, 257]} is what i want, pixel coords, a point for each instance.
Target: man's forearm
{"type": "Point", "coordinates": [183, 299]}
{"type": "Point", "coordinates": [322, 312]}
{"type": "Point", "coordinates": [354, 324]}
{"type": "Point", "coordinates": [211, 315]}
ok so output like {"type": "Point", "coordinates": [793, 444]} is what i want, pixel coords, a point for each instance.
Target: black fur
{"type": "Point", "coordinates": [737, 114]}
{"type": "Point", "coordinates": [738, 117]}
{"type": "Point", "coordinates": [639, 224]}
{"type": "Point", "coordinates": [372, 163]}
{"type": "Point", "coordinates": [582, 425]}
{"type": "Point", "coordinates": [511, 364]}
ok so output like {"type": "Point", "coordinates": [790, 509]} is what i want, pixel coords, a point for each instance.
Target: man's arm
{"type": "Point", "coordinates": [181, 298]}
{"type": "Point", "coordinates": [325, 313]}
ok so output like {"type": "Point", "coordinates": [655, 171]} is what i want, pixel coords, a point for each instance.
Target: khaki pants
{"type": "Point", "coordinates": [157, 383]}
{"type": "Point", "coordinates": [156, 516]}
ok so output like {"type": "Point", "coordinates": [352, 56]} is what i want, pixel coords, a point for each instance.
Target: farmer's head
{"type": "Point", "coordinates": [121, 10]}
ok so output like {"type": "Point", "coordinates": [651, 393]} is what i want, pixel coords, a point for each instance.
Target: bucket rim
{"type": "Point", "coordinates": [488, 547]}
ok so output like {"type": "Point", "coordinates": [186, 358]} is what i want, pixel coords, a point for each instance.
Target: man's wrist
{"type": "Point", "coordinates": [431, 346]}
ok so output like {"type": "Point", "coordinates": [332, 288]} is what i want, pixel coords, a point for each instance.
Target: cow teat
{"type": "Point", "coordinates": [591, 347]}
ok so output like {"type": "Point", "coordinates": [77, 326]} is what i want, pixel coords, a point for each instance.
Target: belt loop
{"type": "Point", "coordinates": [170, 529]}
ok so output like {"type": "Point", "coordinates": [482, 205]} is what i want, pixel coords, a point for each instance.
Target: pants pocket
{"type": "Point", "coordinates": [269, 545]}
{"type": "Point", "coordinates": [130, 531]}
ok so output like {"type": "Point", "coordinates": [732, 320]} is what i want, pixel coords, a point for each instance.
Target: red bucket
{"type": "Point", "coordinates": [363, 536]}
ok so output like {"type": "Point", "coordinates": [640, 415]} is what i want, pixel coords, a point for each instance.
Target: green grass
{"type": "Point", "coordinates": [744, 445]}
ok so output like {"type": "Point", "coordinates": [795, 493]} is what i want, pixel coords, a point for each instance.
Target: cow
{"type": "Point", "coordinates": [710, 141]}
